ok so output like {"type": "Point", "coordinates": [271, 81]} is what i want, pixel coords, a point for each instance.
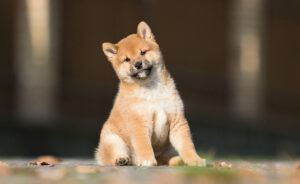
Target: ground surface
{"type": "Point", "coordinates": [86, 171]}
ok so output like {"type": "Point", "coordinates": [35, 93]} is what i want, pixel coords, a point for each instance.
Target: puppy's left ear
{"type": "Point", "coordinates": [109, 49]}
{"type": "Point", "coordinates": [144, 31]}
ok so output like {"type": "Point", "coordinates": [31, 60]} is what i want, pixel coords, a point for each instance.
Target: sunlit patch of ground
{"type": "Point", "coordinates": [86, 171]}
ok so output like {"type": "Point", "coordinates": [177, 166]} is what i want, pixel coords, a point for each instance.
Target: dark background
{"type": "Point", "coordinates": [195, 38]}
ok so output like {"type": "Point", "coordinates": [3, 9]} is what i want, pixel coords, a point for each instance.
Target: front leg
{"type": "Point", "coordinates": [180, 138]}
{"type": "Point", "coordinates": [140, 136]}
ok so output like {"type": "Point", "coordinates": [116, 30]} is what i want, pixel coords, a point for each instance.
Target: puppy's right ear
{"type": "Point", "coordinates": [109, 49]}
{"type": "Point", "coordinates": [144, 31]}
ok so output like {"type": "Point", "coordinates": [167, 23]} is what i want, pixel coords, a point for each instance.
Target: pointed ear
{"type": "Point", "coordinates": [144, 31]}
{"type": "Point", "coordinates": [109, 49]}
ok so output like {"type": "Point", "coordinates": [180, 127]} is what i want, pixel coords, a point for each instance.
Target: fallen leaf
{"type": "Point", "coordinates": [216, 164]}
{"type": "Point", "coordinates": [48, 159]}
{"type": "Point", "coordinates": [224, 164]}
{"type": "Point", "coordinates": [40, 164]}
{"type": "Point", "coordinates": [3, 164]}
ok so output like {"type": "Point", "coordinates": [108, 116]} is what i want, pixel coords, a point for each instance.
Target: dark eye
{"type": "Point", "coordinates": [127, 59]}
{"type": "Point", "coordinates": [143, 53]}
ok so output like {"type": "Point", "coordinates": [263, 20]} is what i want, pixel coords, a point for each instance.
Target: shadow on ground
{"type": "Point", "coordinates": [86, 171]}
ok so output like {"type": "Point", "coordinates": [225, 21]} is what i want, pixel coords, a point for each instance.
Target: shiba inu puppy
{"type": "Point", "coordinates": [148, 114]}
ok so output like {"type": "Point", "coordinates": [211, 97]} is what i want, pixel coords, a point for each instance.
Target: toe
{"type": "Point", "coordinates": [122, 161]}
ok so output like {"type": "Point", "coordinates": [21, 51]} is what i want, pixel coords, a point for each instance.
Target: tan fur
{"type": "Point", "coordinates": [148, 112]}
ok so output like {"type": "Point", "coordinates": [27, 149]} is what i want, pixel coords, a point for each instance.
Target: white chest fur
{"type": "Point", "coordinates": [159, 102]}
{"type": "Point", "coordinates": [160, 125]}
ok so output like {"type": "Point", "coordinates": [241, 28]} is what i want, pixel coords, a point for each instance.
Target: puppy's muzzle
{"type": "Point", "coordinates": [141, 69]}
{"type": "Point", "coordinates": [138, 65]}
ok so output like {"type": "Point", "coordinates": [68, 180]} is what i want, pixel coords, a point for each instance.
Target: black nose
{"type": "Point", "coordinates": [138, 65]}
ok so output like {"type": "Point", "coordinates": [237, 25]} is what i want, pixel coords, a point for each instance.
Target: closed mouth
{"type": "Point", "coordinates": [142, 74]}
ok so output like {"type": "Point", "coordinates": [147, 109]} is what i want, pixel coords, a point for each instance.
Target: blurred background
{"type": "Point", "coordinates": [236, 64]}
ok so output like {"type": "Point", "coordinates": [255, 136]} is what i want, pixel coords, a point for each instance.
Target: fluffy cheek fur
{"type": "Point", "coordinates": [154, 57]}
{"type": "Point", "coordinates": [123, 72]}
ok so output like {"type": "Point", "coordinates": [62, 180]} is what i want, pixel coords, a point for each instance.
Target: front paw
{"type": "Point", "coordinates": [147, 163]}
{"type": "Point", "coordinates": [122, 161]}
{"type": "Point", "coordinates": [196, 162]}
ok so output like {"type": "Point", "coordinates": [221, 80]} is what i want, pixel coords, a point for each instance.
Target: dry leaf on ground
{"type": "Point", "coordinates": [48, 159]}
{"type": "Point", "coordinates": [40, 164]}
{"type": "Point", "coordinates": [3, 164]}
{"type": "Point", "coordinates": [223, 164]}
{"type": "Point", "coordinates": [216, 164]}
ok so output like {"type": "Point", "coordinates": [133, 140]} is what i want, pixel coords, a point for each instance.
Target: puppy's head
{"type": "Point", "coordinates": [135, 57]}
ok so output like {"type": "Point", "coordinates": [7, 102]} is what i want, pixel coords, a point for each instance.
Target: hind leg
{"type": "Point", "coordinates": [113, 151]}
{"type": "Point", "coordinates": [169, 157]}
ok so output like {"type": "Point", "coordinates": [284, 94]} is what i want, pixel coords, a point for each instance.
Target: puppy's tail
{"type": "Point", "coordinates": [175, 161]}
